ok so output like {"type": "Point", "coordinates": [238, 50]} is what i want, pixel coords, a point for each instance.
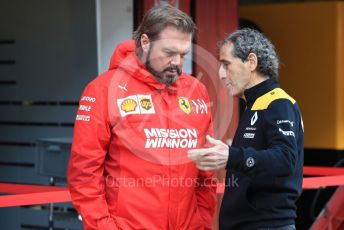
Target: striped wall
{"type": "Point", "coordinates": [48, 53]}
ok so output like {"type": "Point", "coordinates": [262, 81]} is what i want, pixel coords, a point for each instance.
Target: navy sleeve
{"type": "Point", "coordinates": [279, 158]}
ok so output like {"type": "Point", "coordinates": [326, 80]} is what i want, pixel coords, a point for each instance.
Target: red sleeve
{"type": "Point", "coordinates": [85, 172]}
{"type": "Point", "coordinates": [206, 189]}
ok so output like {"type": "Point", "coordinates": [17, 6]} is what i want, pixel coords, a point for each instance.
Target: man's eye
{"type": "Point", "coordinates": [169, 54]}
{"type": "Point", "coordinates": [183, 55]}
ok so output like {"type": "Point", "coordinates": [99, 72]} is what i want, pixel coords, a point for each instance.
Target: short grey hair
{"type": "Point", "coordinates": [246, 41]}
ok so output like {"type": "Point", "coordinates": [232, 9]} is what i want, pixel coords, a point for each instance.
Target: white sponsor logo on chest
{"type": "Point", "coordinates": [254, 118]}
{"type": "Point", "coordinates": [200, 107]}
{"type": "Point", "coordinates": [249, 135]}
{"type": "Point", "coordinates": [171, 138]}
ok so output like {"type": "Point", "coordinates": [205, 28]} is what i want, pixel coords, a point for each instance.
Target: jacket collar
{"type": "Point", "coordinates": [256, 91]}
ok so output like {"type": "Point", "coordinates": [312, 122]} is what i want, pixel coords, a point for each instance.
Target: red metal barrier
{"type": "Point", "coordinates": [331, 218]}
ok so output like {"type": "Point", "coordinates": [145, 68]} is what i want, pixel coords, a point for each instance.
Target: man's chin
{"type": "Point", "coordinates": [168, 79]}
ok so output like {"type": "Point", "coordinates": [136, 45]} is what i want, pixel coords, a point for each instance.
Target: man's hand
{"type": "Point", "coordinates": [213, 158]}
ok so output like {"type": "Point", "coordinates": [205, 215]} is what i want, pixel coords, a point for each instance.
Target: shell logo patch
{"type": "Point", "coordinates": [128, 105]}
{"type": "Point", "coordinates": [184, 105]}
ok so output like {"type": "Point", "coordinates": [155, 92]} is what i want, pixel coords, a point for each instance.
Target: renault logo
{"type": "Point", "coordinates": [254, 118]}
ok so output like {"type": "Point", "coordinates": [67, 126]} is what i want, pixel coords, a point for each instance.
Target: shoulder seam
{"type": "Point", "coordinates": [265, 100]}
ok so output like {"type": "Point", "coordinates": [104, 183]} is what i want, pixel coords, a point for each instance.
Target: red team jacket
{"type": "Point", "coordinates": [128, 167]}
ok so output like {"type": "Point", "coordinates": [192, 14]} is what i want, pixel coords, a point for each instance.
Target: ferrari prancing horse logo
{"type": "Point", "coordinates": [184, 105]}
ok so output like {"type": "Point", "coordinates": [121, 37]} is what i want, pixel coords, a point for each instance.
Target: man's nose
{"type": "Point", "coordinates": [222, 73]}
{"type": "Point", "coordinates": [176, 60]}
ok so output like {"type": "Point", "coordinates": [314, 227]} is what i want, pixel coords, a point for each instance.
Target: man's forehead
{"type": "Point", "coordinates": [226, 50]}
{"type": "Point", "coordinates": [174, 44]}
{"type": "Point", "coordinates": [172, 38]}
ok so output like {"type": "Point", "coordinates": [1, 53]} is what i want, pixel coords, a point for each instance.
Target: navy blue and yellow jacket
{"type": "Point", "coordinates": [264, 169]}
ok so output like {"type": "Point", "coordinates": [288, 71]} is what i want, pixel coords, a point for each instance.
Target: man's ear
{"type": "Point", "coordinates": [252, 61]}
{"type": "Point", "coordinates": [145, 43]}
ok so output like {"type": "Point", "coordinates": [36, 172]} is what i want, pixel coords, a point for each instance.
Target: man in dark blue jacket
{"type": "Point", "coordinates": [264, 163]}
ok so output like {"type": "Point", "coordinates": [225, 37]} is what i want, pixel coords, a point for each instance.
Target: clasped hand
{"type": "Point", "coordinates": [212, 158]}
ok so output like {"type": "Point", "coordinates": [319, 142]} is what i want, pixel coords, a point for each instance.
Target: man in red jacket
{"type": "Point", "coordinates": [129, 167]}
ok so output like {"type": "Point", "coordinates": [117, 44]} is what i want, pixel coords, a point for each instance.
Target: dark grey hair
{"type": "Point", "coordinates": [158, 18]}
{"type": "Point", "coordinates": [246, 41]}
